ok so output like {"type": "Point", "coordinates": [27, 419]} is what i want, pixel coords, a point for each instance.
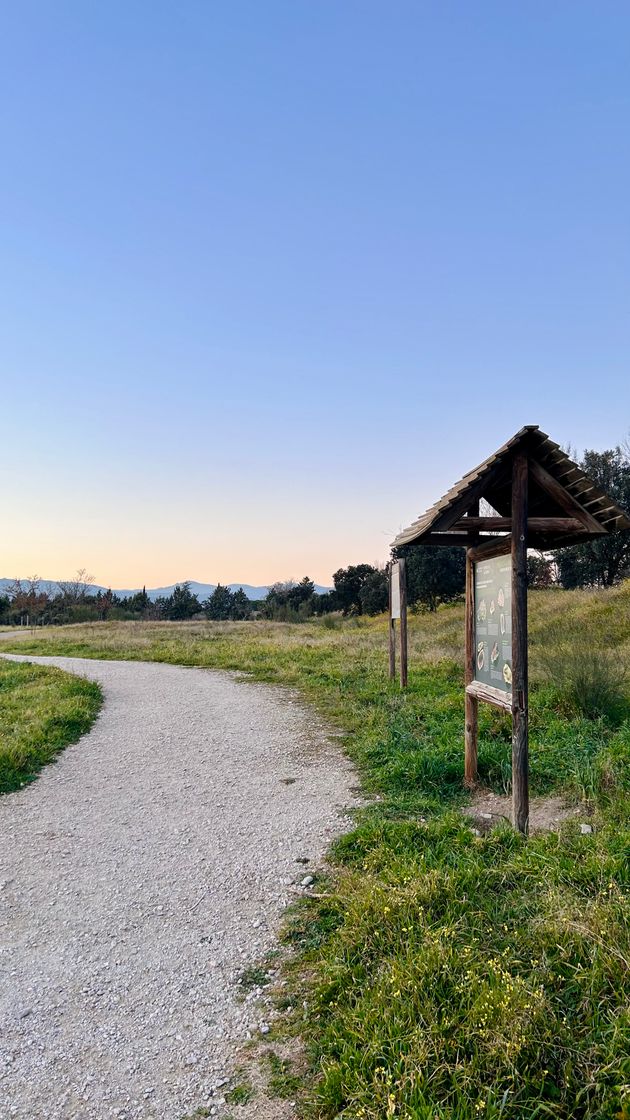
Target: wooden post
{"type": "Point", "coordinates": [471, 702]}
{"type": "Point", "coordinates": [402, 576]}
{"type": "Point", "coordinates": [392, 631]}
{"type": "Point", "coordinates": [520, 748]}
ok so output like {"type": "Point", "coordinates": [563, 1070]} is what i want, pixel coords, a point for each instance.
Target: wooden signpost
{"type": "Point", "coordinates": [398, 610]}
{"type": "Point", "coordinates": [542, 500]}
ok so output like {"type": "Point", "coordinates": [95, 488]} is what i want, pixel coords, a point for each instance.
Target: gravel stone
{"type": "Point", "coordinates": [141, 873]}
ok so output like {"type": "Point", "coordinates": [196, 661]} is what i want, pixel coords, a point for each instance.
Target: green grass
{"type": "Point", "coordinates": [282, 1081]}
{"type": "Point", "coordinates": [255, 976]}
{"type": "Point", "coordinates": [241, 1093]}
{"type": "Point", "coordinates": [42, 710]}
{"type": "Point", "coordinates": [448, 976]}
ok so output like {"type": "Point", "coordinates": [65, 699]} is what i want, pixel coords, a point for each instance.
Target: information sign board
{"type": "Point", "coordinates": [394, 576]}
{"type": "Point", "coordinates": [493, 622]}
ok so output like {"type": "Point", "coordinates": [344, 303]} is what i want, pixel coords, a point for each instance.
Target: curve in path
{"type": "Point", "coordinates": [138, 876]}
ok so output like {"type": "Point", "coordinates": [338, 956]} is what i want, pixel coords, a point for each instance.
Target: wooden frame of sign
{"type": "Point", "coordinates": [538, 498]}
{"type": "Point", "coordinates": [514, 667]}
{"type": "Point", "coordinates": [398, 610]}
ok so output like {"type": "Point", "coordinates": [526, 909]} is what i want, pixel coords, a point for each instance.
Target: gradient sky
{"type": "Point", "coordinates": [275, 274]}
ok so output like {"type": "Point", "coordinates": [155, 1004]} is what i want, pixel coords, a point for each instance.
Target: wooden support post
{"type": "Point", "coordinates": [520, 749]}
{"type": "Point", "coordinates": [471, 702]}
{"type": "Point", "coordinates": [392, 631]}
{"type": "Point", "coordinates": [402, 575]}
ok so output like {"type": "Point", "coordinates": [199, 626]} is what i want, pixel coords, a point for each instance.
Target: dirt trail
{"type": "Point", "coordinates": [139, 875]}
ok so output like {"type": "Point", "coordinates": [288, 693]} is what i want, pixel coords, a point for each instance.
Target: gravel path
{"type": "Point", "coordinates": [139, 875]}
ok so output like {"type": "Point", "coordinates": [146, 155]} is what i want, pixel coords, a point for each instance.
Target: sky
{"type": "Point", "coordinates": [274, 275]}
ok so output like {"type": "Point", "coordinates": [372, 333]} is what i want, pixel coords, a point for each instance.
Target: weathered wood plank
{"type": "Point", "coordinates": [497, 546]}
{"type": "Point", "coordinates": [402, 575]}
{"type": "Point", "coordinates": [520, 746]}
{"type": "Point", "coordinates": [534, 524]}
{"type": "Point", "coordinates": [556, 525]}
{"type": "Point", "coordinates": [470, 703]}
{"type": "Point", "coordinates": [392, 632]}
{"type": "Point", "coordinates": [491, 524]}
{"type": "Point", "coordinates": [479, 691]}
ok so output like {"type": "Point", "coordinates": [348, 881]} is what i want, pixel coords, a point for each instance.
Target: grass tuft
{"type": "Point", "coordinates": [241, 1093]}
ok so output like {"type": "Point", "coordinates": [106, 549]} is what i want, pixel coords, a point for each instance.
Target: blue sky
{"type": "Point", "coordinates": [274, 275]}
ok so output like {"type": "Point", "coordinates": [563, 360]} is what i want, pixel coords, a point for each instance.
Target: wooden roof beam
{"type": "Point", "coordinates": [535, 524]}
{"type": "Point", "coordinates": [493, 546]}
{"type": "Point", "coordinates": [473, 492]}
{"type": "Point", "coordinates": [563, 498]}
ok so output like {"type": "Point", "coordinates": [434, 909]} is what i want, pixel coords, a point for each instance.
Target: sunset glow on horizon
{"type": "Point", "coordinates": [269, 293]}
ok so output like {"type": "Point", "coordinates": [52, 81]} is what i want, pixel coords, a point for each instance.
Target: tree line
{"type": "Point", "coordinates": [28, 602]}
{"type": "Point", "coordinates": [360, 589]}
{"type": "Point", "coordinates": [434, 576]}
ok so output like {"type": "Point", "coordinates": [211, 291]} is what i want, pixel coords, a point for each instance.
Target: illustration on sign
{"type": "Point", "coordinates": [394, 575]}
{"type": "Point", "coordinates": [493, 622]}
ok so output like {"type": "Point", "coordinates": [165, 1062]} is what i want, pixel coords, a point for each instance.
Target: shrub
{"type": "Point", "coordinates": [330, 622]}
{"type": "Point", "coordinates": [590, 678]}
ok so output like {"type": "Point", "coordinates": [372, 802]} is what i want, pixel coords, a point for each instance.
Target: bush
{"type": "Point", "coordinates": [330, 622]}
{"type": "Point", "coordinates": [589, 678]}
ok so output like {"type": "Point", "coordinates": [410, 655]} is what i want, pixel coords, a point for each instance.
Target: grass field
{"type": "Point", "coordinates": [42, 710]}
{"type": "Point", "coordinates": [449, 975]}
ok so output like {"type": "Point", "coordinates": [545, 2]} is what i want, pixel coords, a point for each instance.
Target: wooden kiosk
{"type": "Point", "coordinates": [537, 498]}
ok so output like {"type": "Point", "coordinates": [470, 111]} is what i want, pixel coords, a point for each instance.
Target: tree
{"type": "Point", "coordinates": [5, 609]}
{"type": "Point", "coordinates": [218, 607]}
{"type": "Point", "coordinates": [606, 560]}
{"type": "Point", "coordinates": [434, 575]}
{"type": "Point", "coordinates": [75, 590]}
{"type": "Point", "coordinates": [374, 593]}
{"type": "Point", "coordinates": [290, 602]}
{"type": "Point", "coordinates": [104, 602]}
{"type": "Point", "coordinates": [155, 610]}
{"type": "Point", "coordinates": [28, 601]}
{"type": "Point", "coordinates": [182, 604]}
{"type": "Point", "coordinates": [138, 604]}
{"type": "Point", "coordinates": [301, 594]}
{"type": "Point", "coordinates": [540, 571]}
{"type": "Point", "coordinates": [241, 606]}
{"type": "Point", "coordinates": [348, 583]}
{"type": "Point", "coordinates": [325, 603]}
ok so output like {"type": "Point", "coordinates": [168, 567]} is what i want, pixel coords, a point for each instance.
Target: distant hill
{"type": "Point", "coordinates": [201, 590]}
